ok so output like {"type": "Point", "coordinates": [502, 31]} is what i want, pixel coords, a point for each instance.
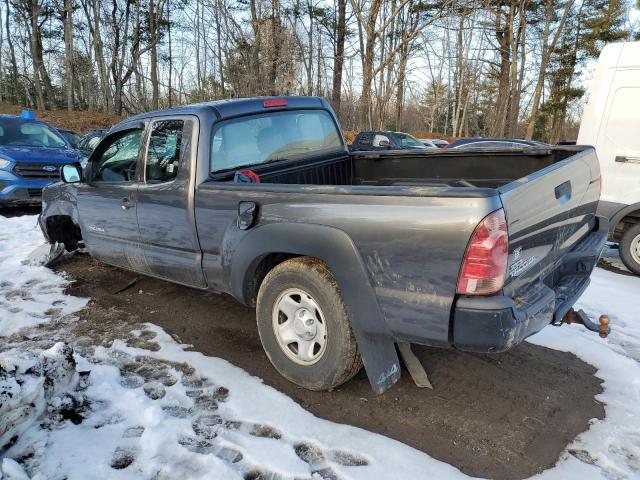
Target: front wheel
{"type": "Point", "coordinates": [630, 249]}
{"type": "Point", "coordinates": [304, 326]}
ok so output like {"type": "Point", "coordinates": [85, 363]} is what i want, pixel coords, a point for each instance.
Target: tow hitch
{"type": "Point", "coordinates": [602, 327]}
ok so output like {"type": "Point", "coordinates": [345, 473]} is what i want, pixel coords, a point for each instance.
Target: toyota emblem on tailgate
{"type": "Point", "coordinates": [49, 168]}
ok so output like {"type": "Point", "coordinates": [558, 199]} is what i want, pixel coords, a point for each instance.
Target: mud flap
{"type": "Point", "coordinates": [380, 361]}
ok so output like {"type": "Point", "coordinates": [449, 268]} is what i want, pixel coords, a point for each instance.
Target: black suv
{"type": "Point", "coordinates": [384, 140]}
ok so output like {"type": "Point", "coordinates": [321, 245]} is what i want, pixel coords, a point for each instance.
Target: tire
{"type": "Point", "coordinates": [304, 327]}
{"type": "Point", "coordinates": [630, 248]}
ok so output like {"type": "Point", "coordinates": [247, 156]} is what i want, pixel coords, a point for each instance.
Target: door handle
{"type": "Point", "coordinates": [627, 159]}
{"type": "Point", "coordinates": [127, 203]}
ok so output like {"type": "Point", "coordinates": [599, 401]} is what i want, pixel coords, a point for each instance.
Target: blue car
{"type": "Point", "coordinates": [31, 155]}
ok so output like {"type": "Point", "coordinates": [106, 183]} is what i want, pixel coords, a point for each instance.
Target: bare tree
{"type": "Point", "coordinates": [548, 45]}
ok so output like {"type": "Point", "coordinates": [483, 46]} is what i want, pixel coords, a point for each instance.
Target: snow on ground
{"type": "Point", "coordinates": [142, 407]}
{"type": "Point", "coordinates": [29, 294]}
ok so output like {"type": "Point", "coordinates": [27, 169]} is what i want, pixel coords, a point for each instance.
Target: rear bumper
{"type": "Point", "coordinates": [498, 323]}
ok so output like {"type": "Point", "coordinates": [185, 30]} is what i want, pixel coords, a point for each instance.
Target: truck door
{"type": "Point", "coordinates": [165, 208]}
{"type": "Point", "coordinates": [618, 141]}
{"type": "Point", "coordinates": [107, 200]}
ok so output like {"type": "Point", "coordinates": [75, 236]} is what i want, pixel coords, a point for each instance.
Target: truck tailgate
{"type": "Point", "coordinates": [555, 240]}
{"type": "Point", "coordinates": [548, 214]}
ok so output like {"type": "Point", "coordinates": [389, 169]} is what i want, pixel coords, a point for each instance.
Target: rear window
{"type": "Point", "coordinates": [273, 136]}
{"type": "Point", "coordinates": [29, 134]}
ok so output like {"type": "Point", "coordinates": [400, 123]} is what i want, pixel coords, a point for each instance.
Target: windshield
{"type": "Point", "coordinates": [29, 134]}
{"type": "Point", "coordinates": [273, 136]}
{"type": "Point", "coordinates": [406, 140]}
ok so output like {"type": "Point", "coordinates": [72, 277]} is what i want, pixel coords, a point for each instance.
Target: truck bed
{"type": "Point", "coordinates": [484, 169]}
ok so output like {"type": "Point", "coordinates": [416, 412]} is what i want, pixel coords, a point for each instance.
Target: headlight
{"type": "Point", "coordinates": [4, 163]}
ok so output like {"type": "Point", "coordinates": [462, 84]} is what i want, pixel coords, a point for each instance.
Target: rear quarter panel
{"type": "Point", "coordinates": [411, 246]}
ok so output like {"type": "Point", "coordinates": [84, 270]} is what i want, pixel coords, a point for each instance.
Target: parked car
{"type": "Point", "coordinates": [494, 143]}
{"type": "Point", "coordinates": [434, 142]}
{"type": "Point", "coordinates": [88, 143]}
{"type": "Point", "coordinates": [611, 123]}
{"type": "Point", "coordinates": [31, 154]}
{"type": "Point", "coordinates": [72, 137]}
{"type": "Point", "coordinates": [342, 253]}
{"type": "Point", "coordinates": [384, 140]}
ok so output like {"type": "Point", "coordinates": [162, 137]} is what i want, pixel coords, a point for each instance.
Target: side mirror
{"type": "Point", "coordinates": [71, 174]}
{"type": "Point", "coordinates": [384, 144]}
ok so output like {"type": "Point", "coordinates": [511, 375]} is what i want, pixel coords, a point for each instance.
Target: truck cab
{"type": "Point", "coordinates": [611, 123]}
{"type": "Point", "coordinates": [31, 154]}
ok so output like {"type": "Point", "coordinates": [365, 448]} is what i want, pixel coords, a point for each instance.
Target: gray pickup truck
{"type": "Point", "coordinates": [342, 254]}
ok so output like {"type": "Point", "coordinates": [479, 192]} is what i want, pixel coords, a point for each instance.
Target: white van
{"type": "Point", "coordinates": [611, 123]}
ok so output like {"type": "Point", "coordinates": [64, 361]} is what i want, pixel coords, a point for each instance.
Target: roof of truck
{"type": "Point", "coordinates": [233, 107]}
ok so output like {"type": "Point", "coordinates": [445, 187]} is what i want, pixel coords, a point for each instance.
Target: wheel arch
{"type": "Point", "coordinates": [268, 245]}
{"type": "Point", "coordinates": [623, 219]}
{"type": "Point", "coordinates": [64, 229]}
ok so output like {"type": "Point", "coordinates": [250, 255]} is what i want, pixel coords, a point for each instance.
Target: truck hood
{"type": "Point", "coordinates": [30, 154]}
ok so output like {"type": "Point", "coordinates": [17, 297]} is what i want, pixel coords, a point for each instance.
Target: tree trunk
{"type": "Point", "coordinates": [219, 44]}
{"type": "Point", "coordinates": [402, 69]}
{"type": "Point", "coordinates": [503, 33]}
{"type": "Point", "coordinates": [93, 21]}
{"type": "Point", "coordinates": [4, 87]}
{"type": "Point", "coordinates": [547, 49]}
{"type": "Point", "coordinates": [275, 50]}
{"type": "Point", "coordinates": [365, 120]}
{"type": "Point", "coordinates": [68, 51]}
{"type": "Point", "coordinates": [311, 51]}
{"type": "Point", "coordinates": [338, 59]}
{"type": "Point", "coordinates": [12, 51]}
{"type": "Point", "coordinates": [255, 49]}
{"type": "Point", "coordinates": [171, 53]}
{"type": "Point", "coordinates": [153, 39]}
{"type": "Point", "coordinates": [516, 75]}
{"type": "Point", "coordinates": [33, 28]}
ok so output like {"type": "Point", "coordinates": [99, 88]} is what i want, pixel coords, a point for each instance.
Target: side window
{"type": "Point", "coordinates": [380, 138]}
{"type": "Point", "coordinates": [163, 154]}
{"type": "Point", "coordinates": [119, 160]}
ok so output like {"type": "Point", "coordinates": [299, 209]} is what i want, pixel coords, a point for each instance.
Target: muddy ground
{"type": "Point", "coordinates": [505, 416]}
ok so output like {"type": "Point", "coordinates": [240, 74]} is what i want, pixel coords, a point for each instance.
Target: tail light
{"type": "Point", "coordinates": [484, 266]}
{"type": "Point", "coordinates": [275, 102]}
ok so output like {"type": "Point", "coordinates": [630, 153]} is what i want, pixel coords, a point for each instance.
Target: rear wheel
{"type": "Point", "coordinates": [304, 326]}
{"type": "Point", "coordinates": [630, 249]}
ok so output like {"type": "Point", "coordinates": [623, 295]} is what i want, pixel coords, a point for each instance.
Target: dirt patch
{"type": "Point", "coordinates": [505, 416]}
